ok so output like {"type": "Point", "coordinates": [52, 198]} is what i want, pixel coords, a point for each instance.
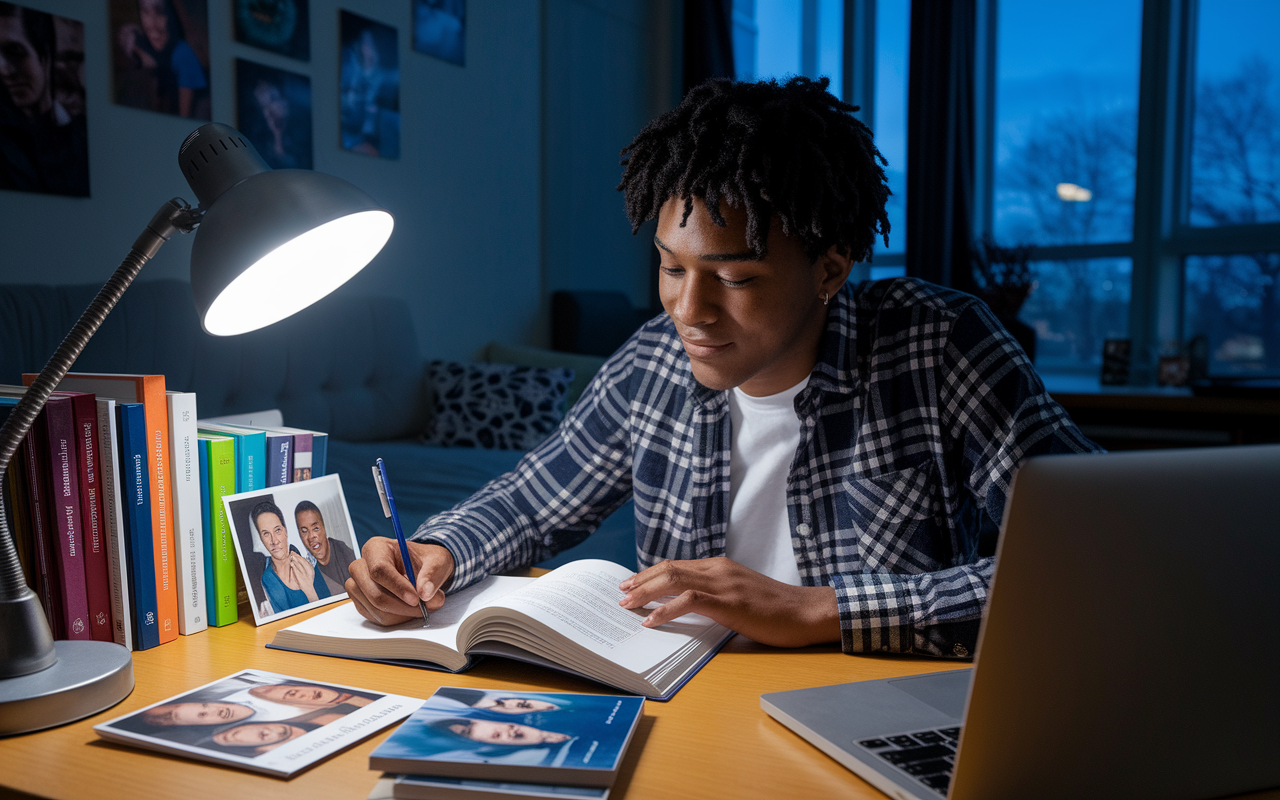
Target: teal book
{"type": "Point", "coordinates": [251, 454]}
{"type": "Point", "coordinates": [135, 495]}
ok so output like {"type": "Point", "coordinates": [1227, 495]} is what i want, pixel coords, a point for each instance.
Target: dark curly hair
{"type": "Point", "coordinates": [792, 149]}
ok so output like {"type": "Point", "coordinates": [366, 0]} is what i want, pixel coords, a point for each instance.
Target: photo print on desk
{"type": "Point", "coordinates": [369, 87]}
{"type": "Point", "coordinates": [294, 543]}
{"type": "Point", "coordinates": [273, 110]}
{"type": "Point", "coordinates": [260, 721]}
{"type": "Point", "coordinates": [440, 29]}
{"type": "Point", "coordinates": [281, 26]}
{"type": "Point", "coordinates": [44, 141]}
{"type": "Point", "coordinates": [160, 56]}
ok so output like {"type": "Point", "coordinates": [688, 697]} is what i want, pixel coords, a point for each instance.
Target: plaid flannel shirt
{"type": "Point", "coordinates": [917, 413]}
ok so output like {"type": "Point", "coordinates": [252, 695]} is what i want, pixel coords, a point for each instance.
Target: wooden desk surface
{"type": "Point", "coordinates": [711, 741]}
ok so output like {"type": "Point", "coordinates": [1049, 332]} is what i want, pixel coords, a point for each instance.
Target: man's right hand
{"type": "Point", "coordinates": [380, 590]}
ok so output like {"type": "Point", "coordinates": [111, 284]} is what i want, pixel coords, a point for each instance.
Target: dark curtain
{"type": "Point", "coordinates": [940, 146]}
{"type": "Point", "coordinates": [708, 41]}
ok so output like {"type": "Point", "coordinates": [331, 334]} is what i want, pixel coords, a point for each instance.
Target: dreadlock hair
{"type": "Point", "coordinates": [793, 150]}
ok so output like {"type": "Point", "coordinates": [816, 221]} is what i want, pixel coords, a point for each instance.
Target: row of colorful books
{"type": "Point", "coordinates": [115, 504]}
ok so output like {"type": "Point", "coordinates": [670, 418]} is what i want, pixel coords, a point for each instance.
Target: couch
{"type": "Point", "coordinates": [348, 365]}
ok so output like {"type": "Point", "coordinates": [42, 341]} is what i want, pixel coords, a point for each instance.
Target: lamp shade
{"type": "Point", "coordinates": [271, 242]}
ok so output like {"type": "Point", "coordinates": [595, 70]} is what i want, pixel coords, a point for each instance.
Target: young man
{"type": "Point", "coordinates": [811, 461]}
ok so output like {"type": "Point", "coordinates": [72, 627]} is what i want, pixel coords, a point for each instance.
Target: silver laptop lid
{"type": "Point", "coordinates": [1132, 641]}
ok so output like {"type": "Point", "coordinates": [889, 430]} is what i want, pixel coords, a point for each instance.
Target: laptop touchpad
{"type": "Point", "coordinates": [945, 691]}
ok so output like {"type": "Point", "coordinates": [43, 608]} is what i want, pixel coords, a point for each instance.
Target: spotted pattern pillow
{"type": "Point", "coordinates": [495, 406]}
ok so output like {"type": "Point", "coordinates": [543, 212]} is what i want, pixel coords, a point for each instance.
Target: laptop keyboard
{"type": "Point", "coordinates": [928, 756]}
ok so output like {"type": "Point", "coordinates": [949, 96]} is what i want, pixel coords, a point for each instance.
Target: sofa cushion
{"type": "Point", "coordinates": [584, 367]}
{"type": "Point", "coordinates": [495, 405]}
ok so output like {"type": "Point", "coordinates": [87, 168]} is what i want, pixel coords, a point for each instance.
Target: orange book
{"type": "Point", "coordinates": [148, 390]}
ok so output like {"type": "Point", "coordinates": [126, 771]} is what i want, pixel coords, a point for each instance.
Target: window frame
{"type": "Point", "coordinates": [1162, 234]}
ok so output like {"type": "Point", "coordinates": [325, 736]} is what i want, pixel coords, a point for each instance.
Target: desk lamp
{"type": "Point", "coordinates": [270, 243]}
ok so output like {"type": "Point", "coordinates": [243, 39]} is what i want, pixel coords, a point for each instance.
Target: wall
{"type": "Point", "coordinates": [466, 191]}
{"type": "Point", "coordinates": [590, 114]}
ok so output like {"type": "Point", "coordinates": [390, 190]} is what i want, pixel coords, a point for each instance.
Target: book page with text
{"type": "Point", "coordinates": [580, 601]}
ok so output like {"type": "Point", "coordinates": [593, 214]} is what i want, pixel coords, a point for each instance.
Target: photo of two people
{"type": "Point", "coordinates": [246, 715]}
{"type": "Point", "coordinates": [294, 543]}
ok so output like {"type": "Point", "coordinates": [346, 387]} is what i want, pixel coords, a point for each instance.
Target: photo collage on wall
{"type": "Point", "coordinates": [44, 140]}
{"type": "Point", "coordinates": [159, 51]}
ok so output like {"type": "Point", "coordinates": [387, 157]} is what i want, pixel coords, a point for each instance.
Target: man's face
{"type": "Point", "coordinates": [506, 733]}
{"type": "Point", "coordinates": [311, 529]}
{"type": "Point", "coordinates": [274, 536]}
{"type": "Point", "coordinates": [258, 733]}
{"type": "Point", "coordinates": [24, 75]}
{"type": "Point", "coordinates": [744, 322]}
{"type": "Point", "coordinates": [301, 696]}
{"type": "Point", "coordinates": [206, 713]}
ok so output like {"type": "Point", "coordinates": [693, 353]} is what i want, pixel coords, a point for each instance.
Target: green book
{"type": "Point", "coordinates": [222, 482]}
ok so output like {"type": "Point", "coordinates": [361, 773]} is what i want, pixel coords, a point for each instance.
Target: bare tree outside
{"type": "Point", "coordinates": [1076, 303]}
{"type": "Point", "coordinates": [1235, 167]}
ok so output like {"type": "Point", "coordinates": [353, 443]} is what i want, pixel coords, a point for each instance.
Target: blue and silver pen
{"type": "Point", "coordinates": [389, 508]}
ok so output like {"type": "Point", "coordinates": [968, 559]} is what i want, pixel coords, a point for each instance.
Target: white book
{"type": "Point", "coordinates": [568, 619]}
{"type": "Point", "coordinates": [113, 521]}
{"type": "Point", "coordinates": [188, 520]}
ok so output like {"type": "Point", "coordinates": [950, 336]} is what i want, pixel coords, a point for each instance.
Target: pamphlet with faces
{"type": "Point", "coordinates": [260, 721]}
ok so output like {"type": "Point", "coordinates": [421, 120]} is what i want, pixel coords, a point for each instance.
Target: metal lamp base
{"type": "Point", "coordinates": [88, 677]}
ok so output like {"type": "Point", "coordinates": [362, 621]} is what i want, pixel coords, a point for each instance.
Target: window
{"type": "Point", "coordinates": [781, 38]}
{"type": "Point", "coordinates": [1148, 186]}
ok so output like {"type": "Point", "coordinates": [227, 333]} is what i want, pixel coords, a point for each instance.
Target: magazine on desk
{"type": "Point", "coordinates": [260, 721]}
{"type": "Point", "coordinates": [549, 738]}
{"type": "Point", "coordinates": [568, 619]}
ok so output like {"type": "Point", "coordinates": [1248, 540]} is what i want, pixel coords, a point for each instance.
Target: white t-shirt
{"type": "Point", "coordinates": [766, 434]}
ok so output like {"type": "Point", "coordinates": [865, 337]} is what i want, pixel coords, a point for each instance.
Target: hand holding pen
{"type": "Point", "coordinates": [389, 509]}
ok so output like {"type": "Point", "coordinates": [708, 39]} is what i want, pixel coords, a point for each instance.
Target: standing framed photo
{"type": "Point", "coordinates": [369, 86]}
{"type": "Point", "coordinates": [273, 110]}
{"type": "Point", "coordinates": [440, 29]}
{"type": "Point", "coordinates": [294, 543]}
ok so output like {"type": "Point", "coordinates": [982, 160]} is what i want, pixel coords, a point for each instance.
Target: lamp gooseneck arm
{"type": "Point", "coordinates": [174, 216]}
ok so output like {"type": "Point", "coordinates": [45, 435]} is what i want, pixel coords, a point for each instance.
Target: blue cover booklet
{"type": "Point", "coordinates": [495, 735]}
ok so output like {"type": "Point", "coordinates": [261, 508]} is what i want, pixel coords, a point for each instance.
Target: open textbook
{"type": "Point", "coordinates": [568, 619]}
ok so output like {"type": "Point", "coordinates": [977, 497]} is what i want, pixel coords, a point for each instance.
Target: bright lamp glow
{"type": "Point", "coordinates": [1070, 193]}
{"type": "Point", "coordinates": [299, 272]}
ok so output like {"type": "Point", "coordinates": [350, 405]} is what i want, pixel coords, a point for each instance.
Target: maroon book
{"type": "Point", "coordinates": [56, 434]}
{"type": "Point", "coordinates": [42, 553]}
{"type": "Point", "coordinates": [97, 570]}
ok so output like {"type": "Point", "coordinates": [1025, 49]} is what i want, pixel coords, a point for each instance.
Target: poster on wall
{"type": "Point", "coordinates": [273, 109]}
{"type": "Point", "coordinates": [369, 87]}
{"type": "Point", "coordinates": [439, 29]}
{"type": "Point", "coordinates": [160, 56]}
{"type": "Point", "coordinates": [281, 26]}
{"type": "Point", "coordinates": [44, 142]}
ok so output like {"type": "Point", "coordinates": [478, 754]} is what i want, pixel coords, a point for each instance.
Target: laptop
{"type": "Point", "coordinates": [1130, 645]}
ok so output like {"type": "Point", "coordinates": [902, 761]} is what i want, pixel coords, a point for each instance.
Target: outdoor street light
{"type": "Point", "coordinates": [270, 243]}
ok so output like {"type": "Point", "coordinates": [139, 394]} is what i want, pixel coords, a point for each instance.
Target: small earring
{"type": "Point", "coordinates": [825, 297]}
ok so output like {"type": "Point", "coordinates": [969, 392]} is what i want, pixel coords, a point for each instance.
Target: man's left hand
{"type": "Point", "coordinates": [755, 605]}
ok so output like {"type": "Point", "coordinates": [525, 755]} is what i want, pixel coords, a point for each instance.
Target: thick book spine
{"type": "Point", "coordinates": [206, 521]}
{"type": "Point", "coordinates": [188, 526]}
{"type": "Point", "coordinates": [222, 482]}
{"type": "Point", "coordinates": [136, 496]}
{"type": "Point", "coordinates": [279, 459]}
{"type": "Point", "coordinates": [57, 433]}
{"type": "Point", "coordinates": [97, 570]}
{"type": "Point", "coordinates": [41, 551]}
{"type": "Point", "coordinates": [148, 390]}
{"type": "Point", "coordinates": [114, 526]}
{"type": "Point", "coordinates": [301, 457]}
